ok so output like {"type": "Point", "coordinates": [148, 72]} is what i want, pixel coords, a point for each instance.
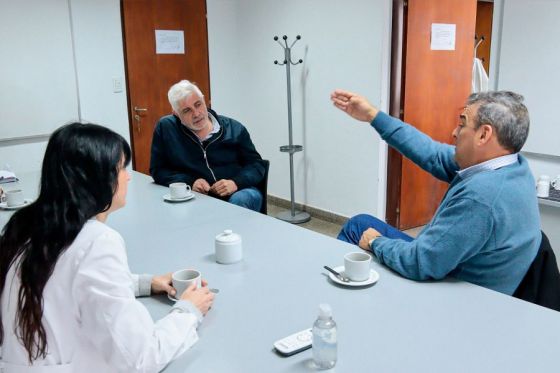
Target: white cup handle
{"type": "Point", "coordinates": [554, 182]}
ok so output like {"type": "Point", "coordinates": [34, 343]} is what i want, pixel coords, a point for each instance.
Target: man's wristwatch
{"type": "Point", "coordinates": [371, 241]}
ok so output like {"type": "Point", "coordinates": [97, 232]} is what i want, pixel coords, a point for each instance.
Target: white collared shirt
{"type": "Point", "coordinates": [215, 127]}
{"type": "Point", "coordinates": [489, 165]}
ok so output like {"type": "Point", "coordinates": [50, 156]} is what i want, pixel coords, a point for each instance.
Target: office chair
{"type": "Point", "coordinates": [541, 283]}
{"type": "Point", "coordinates": [263, 186]}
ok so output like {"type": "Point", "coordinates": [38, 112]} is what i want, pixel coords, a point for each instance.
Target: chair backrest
{"type": "Point", "coordinates": [263, 186]}
{"type": "Point", "coordinates": [541, 283]}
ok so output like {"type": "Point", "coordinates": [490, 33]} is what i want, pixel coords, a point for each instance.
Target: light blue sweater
{"type": "Point", "coordinates": [486, 229]}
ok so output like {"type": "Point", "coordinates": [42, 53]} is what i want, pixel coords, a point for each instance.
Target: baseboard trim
{"type": "Point", "coordinates": [313, 211]}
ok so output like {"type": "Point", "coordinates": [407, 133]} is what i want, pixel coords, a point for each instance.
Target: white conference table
{"type": "Point", "coordinates": [396, 325]}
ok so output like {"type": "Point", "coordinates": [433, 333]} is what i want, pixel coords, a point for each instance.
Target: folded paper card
{"type": "Point", "coordinates": [7, 177]}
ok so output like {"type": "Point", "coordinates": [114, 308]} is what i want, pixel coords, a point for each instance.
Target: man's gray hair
{"type": "Point", "coordinates": [506, 113]}
{"type": "Point", "coordinates": [180, 91]}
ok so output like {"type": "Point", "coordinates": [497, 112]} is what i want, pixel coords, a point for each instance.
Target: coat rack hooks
{"type": "Point", "coordinates": [293, 216]}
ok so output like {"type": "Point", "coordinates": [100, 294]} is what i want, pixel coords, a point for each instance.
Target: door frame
{"type": "Point", "coordinates": [396, 108]}
{"type": "Point", "coordinates": [127, 85]}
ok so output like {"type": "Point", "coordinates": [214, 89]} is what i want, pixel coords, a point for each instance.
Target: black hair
{"type": "Point", "coordinates": [78, 180]}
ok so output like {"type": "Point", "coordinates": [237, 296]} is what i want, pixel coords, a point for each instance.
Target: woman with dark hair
{"type": "Point", "coordinates": [66, 293]}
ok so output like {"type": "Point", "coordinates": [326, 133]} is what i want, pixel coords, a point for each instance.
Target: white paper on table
{"type": "Point", "coordinates": [170, 42]}
{"type": "Point", "coordinates": [443, 37]}
{"type": "Point", "coordinates": [7, 176]}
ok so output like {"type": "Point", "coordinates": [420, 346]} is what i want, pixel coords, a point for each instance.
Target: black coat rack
{"type": "Point", "coordinates": [293, 216]}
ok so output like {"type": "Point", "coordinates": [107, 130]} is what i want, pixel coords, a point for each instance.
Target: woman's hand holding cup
{"type": "Point", "coordinates": [162, 284]}
{"type": "Point", "coordinates": [201, 297]}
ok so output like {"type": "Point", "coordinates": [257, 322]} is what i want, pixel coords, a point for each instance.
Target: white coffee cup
{"type": "Point", "coordinates": [357, 266]}
{"type": "Point", "coordinates": [543, 188]}
{"type": "Point", "coordinates": [556, 183]}
{"type": "Point", "coordinates": [14, 198]}
{"type": "Point", "coordinates": [544, 178]}
{"type": "Point", "coordinates": [228, 248]}
{"type": "Point", "coordinates": [179, 190]}
{"type": "Point", "coordinates": [184, 278]}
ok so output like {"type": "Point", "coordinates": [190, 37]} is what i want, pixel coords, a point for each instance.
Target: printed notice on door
{"type": "Point", "coordinates": [443, 37]}
{"type": "Point", "coordinates": [170, 42]}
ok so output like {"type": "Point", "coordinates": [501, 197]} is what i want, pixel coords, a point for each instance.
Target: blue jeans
{"type": "Point", "coordinates": [249, 198]}
{"type": "Point", "coordinates": [354, 228]}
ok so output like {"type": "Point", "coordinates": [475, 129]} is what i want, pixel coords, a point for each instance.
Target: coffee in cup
{"type": "Point", "coordinates": [14, 198]}
{"type": "Point", "coordinates": [184, 278]}
{"type": "Point", "coordinates": [179, 190]}
{"type": "Point", "coordinates": [357, 266]}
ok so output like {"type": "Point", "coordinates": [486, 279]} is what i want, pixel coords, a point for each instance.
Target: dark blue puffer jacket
{"type": "Point", "coordinates": [178, 156]}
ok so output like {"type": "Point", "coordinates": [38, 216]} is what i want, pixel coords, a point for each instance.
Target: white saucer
{"type": "Point", "coordinates": [4, 205]}
{"type": "Point", "coordinates": [373, 277]}
{"type": "Point", "coordinates": [167, 198]}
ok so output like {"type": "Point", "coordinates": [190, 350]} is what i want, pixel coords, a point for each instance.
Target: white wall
{"type": "Point", "coordinates": [541, 164]}
{"type": "Point", "coordinates": [530, 57]}
{"type": "Point", "coordinates": [26, 70]}
{"type": "Point", "coordinates": [550, 215]}
{"type": "Point", "coordinates": [22, 157]}
{"type": "Point", "coordinates": [342, 47]}
{"type": "Point", "coordinates": [99, 57]}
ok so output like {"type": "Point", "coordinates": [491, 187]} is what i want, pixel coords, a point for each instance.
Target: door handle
{"type": "Point", "coordinates": [137, 111]}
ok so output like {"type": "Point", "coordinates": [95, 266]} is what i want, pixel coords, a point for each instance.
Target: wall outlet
{"type": "Point", "coordinates": [117, 85]}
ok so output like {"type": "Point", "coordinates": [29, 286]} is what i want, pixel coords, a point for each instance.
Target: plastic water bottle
{"type": "Point", "coordinates": [324, 339]}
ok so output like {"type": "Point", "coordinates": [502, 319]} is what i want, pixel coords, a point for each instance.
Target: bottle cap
{"type": "Point", "coordinates": [325, 311]}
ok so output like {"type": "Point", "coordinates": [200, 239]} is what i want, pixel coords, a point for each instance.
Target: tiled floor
{"type": "Point", "coordinates": [315, 224]}
{"type": "Point", "coordinates": [325, 227]}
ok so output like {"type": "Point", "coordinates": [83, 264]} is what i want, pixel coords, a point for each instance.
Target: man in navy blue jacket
{"type": "Point", "coordinates": [212, 153]}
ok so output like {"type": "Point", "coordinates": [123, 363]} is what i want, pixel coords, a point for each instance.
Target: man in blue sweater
{"type": "Point", "coordinates": [212, 153]}
{"type": "Point", "coordinates": [487, 227]}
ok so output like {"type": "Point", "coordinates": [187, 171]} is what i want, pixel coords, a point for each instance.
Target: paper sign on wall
{"type": "Point", "coordinates": [170, 42]}
{"type": "Point", "coordinates": [443, 37]}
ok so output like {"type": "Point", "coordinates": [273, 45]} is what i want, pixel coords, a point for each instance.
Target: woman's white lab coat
{"type": "Point", "coordinates": [92, 319]}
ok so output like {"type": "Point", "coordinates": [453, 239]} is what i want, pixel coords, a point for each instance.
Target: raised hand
{"type": "Point", "coordinates": [354, 105]}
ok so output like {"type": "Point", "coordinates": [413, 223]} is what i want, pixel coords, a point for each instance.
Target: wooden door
{"type": "Point", "coordinates": [150, 75]}
{"type": "Point", "coordinates": [435, 86]}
